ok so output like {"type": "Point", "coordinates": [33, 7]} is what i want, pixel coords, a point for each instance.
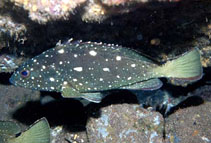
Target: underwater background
{"type": "Point", "coordinates": [161, 30]}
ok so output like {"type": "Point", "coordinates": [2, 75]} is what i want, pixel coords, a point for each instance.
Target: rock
{"type": "Point", "coordinates": [203, 92]}
{"type": "Point", "coordinates": [12, 98]}
{"type": "Point", "coordinates": [8, 63]}
{"type": "Point", "coordinates": [60, 135]}
{"type": "Point", "coordinates": [190, 125]}
{"type": "Point", "coordinates": [124, 123]}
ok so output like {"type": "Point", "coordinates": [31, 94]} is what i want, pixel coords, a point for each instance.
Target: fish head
{"type": "Point", "coordinates": [37, 73]}
{"type": "Point", "coordinates": [27, 75]}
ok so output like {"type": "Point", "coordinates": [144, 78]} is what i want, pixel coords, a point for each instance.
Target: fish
{"type": "Point", "coordinates": [7, 63]}
{"type": "Point", "coordinates": [38, 132]}
{"type": "Point", "coordinates": [90, 70]}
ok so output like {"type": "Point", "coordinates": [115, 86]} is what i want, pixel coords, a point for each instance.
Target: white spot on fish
{"type": "Point", "coordinates": [46, 56]}
{"type": "Point", "coordinates": [92, 53]}
{"type": "Point", "coordinates": [80, 84]}
{"type": "Point", "coordinates": [79, 69]}
{"type": "Point", "coordinates": [61, 51]}
{"type": "Point", "coordinates": [43, 67]}
{"type": "Point", "coordinates": [133, 65]}
{"type": "Point", "coordinates": [65, 82]}
{"type": "Point", "coordinates": [60, 62]}
{"type": "Point", "coordinates": [118, 76]}
{"type": "Point", "coordinates": [75, 79]}
{"type": "Point", "coordinates": [75, 55]}
{"type": "Point", "coordinates": [101, 79]}
{"type": "Point", "coordinates": [32, 77]}
{"type": "Point", "coordinates": [52, 79]}
{"type": "Point", "coordinates": [129, 78]}
{"type": "Point", "coordinates": [52, 88]}
{"type": "Point", "coordinates": [106, 69]}
{"type": "Point", "coordinates": [118, 58]}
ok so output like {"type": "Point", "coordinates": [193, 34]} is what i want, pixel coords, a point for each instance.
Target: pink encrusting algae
{"type": "Point", "coordinates": [43, 10]}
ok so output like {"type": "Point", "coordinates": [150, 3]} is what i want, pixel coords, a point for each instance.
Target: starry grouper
{"type": "Point", "coordinates": [88, 69]}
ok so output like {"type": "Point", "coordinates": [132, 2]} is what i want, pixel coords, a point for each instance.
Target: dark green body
{"type": "Point", "coordinates": [75, 68]}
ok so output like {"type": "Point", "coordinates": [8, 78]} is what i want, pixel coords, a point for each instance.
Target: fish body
{"type": "Point", "coordinates": [86, 69]}
{"type": "Point", "coordinates": [39, 132]}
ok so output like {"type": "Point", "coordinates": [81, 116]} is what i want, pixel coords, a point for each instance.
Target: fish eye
{"type": "Point", "coordinates": [25, 73]}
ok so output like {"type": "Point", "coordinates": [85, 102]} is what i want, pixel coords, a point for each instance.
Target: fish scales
{"type": "Point", "coordinates": [78, 69]}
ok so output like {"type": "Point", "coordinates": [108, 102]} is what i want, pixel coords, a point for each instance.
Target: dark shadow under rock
{"type": "Point", "coordinates": [67, 112]}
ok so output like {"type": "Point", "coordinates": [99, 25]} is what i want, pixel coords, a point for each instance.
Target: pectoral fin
{"type": "Point", "coordinates": [70, 92]}
{"type": "Point", "coordinates": [151, 84]}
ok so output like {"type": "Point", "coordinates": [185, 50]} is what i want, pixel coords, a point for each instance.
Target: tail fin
{"type": "Point", "coordinates": [39, 132]}
{"type": "Point", "coordinates": [187, 67]}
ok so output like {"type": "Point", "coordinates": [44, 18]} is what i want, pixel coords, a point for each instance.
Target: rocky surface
{"type": "Point", "coordinates": [13, 98]}
{"type": "Point", "coordinates": [60, 135]}
{"type": "Point", "coordinates": [190, 125]}
{"type": "Point", "coordinates": [125, 123]}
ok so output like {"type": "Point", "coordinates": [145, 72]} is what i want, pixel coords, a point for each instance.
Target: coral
{"type": "Point", "coordinates": [94, 12]}
{"type": "Point", "coordinates": [44, 10]}
{"type": "Point", "coordinates": [130, 2]}
{"type": "Point", "coordinates": [8, 63]}
{"type": "Point", "coordinates": [11, 35]}
{"type": "Point", "coordinates": [11, 31]}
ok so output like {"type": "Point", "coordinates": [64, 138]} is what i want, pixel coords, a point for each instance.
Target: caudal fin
{"type": "Point", "coordinates": [187, 67]}
{"type": "Point", "coordinates": [39, 132]}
